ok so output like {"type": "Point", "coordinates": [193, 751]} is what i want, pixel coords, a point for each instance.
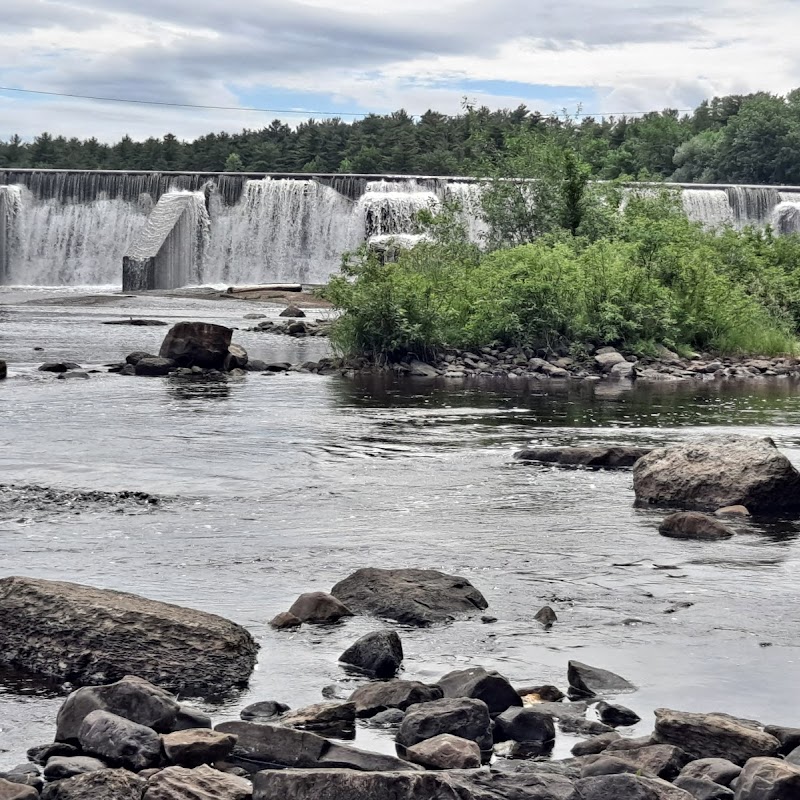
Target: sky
{"type": "Point", "coordinates": [347, 57]}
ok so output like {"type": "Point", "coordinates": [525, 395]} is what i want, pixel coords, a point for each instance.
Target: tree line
{"type": "Point", "coordinates": [751, 138]}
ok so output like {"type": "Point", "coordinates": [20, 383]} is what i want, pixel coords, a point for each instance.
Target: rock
{"type": "Point", "coordinates": [531, 695]}
{"type": "Point", "coordinates": [373, 698]}
{"type": "Point", "coordinates": [137, 323]}
{"type": "Point", "coordinates": [622, 371]}
{"type": "Point", "coordinates": [119, 741]}
{"type": "Point", "coordinates": [616, 715]}
{"type": "Point", "coordinates": [3, 369]}
{"type": "Point", "coordinates": [718, 770]}
{"type": "Point", "coordinates": [590, 681]}
{"type": "Point", "coordinates": [154, 367]}
{"type": "Point", "coordinates": [236, 358]}
{"type": "Point", "coordinates": [135, 357]}
{"type": "Point", "coordinates": [714, 735]}
{"type": "Point", "coordinates": [285, 621]}
{"type": "Point", "coordinates": [256, 365]}
{"type": "Point", "coordinates": [794, 757]}
{"type": "Point", "coordinates": [445, 752]}
{"type": "Point", "coordinates": [319, 608]}
{"type": "Point", "coordinates": [379, 653]}
{"type": "Point", "coordinates": [768, 779]}
{"type": "Point", "coordinates": [788, 737]}
{"type": "Point", "coordinates": [411, 596]}
{"type": "Point", "coordinates": [720, 471]}
{"type": "Point", "coordinates": [197, 344]}
{"type": "Point", "coordinates": [546, 616]}
{"type": "Point", "coordinates": [265, 711]}
{"type": "Point", "coordinates": [322, 717]}
{"type": "Point", "coordinates": [191, 748]}
{"type": "Point", "coordinates": [606, 361]}
{"type": "Point", "coordinates": [524, 725]}
{"type": "Point", "coordinates": [630, 744]}
{"type": "Point", "coordinates": [25, 774]}
{"type": "Point", "coordinates": [278, 366]}
{"type": "Point", "coordinates": [98, 635]}
{"type": "Point", "coordinates": [703, 789]}
{"type": "Point", "coordinates": [659, 760]}
{"type": "Point", "coordinates": [132, 698]}
{"type": "Point", "coordinates": [292, 311]}
{"type": "Point", "coordinates": [267, 746]}
{"type": "Point", "coordinates": [59, 366]}
{"type": "Point", "coordinates": [628, 787]}
{"type": "Point", "coordinates": [106, 784]}
{"type": "Point", "coordinates": [203, 783]}
{"type": "Point", "coordinates": [595, 745]}
{"type": "Point", "coordinates": [254, 316]}
{"type": "Point", "coordinates": [297, 329]}
{"type": "Point", "coordinates": [480, 684]}
{"type": "Point", "coordinates": [16, 791]}
{"type": "Point", "coordinates": [462, 717]}
{"type": "Point", "coordinates": [596, 456]}
{"type": "Point", "coordinates": [732, 511]}
{"type": "Point", "coordinates": [421, 370]}
{"type": "Point", "coordinates": [693, 525]}
{"type": "Point", "coordinates": [60, 767]}
{"type": "Point", "coordinates": [391, 718]}
{"type": "Point", "coordinates": [189, 718]}
{"type": "Point", "coordinates": [43, 753]}
{"type": "Point", "coordinates": [128, 369]}
{"type": "Point", "coordinates": [605, 764]}
{"type": "Point", "coordinates": [73, 375]}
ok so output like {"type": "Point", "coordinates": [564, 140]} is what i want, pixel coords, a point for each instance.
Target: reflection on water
{"type": "Point", "coordinates": [296, 480]}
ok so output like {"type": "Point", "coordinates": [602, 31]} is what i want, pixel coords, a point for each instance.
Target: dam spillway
{"type": "Point", "coordinates": [74, 228]}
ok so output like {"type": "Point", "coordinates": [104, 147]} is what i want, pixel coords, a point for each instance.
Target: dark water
{"type": "Point", "coordinates": [275, 485]}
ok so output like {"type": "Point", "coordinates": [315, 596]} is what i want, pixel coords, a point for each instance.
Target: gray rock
{"type": "Point", "coordinates": [794, 757]}
{"type": "Point", "coordinates": [265, 711]}
{"type": "Point", "coordinates": [73, 375]}
{"type": "Point", "coordinates": [292, 311]}
{"type": "Point", "coordinates": [154, 367]}
{"type": "Point", "coordinates": [373, 698]}
{"type": "Point", "coordinates": [391, 718]}
{"type": "Point", "coordinates": [191, 748]}
{"type": "Point", "coordinates": [720, 471]}
{"type": "Point", "coordinates": [189, 718]}
{"type": "Point", "coordinates": [537, 694]}
{"type": "Point", "coordinates": [135, 357]}
{"type": "Point", "coordinates": [631, 743]}
{"type": "Point", "coordinates": [331, 719]}
{"type": "Point", "coordinates": [605, 764]}
{"type": "Point", "coordinates": [622, 371]}
{"type": "Point", "coordinates": [595, 745]}
{"type": "Point", "coordinates": [269, 746]}
{"type": "Point", "coordinates": [119, 741]}
{"type": "Point", "coordinates": [481, 684]}
{"type": "Point", "coordinates": [256, 365]}
{"type": "Point", "coordinates": [703, 789]}
{"type": "Point", "coordinates": [546, 616]}
{"type": "Point", "coordinates": [379, 653]}
{"type": "Point", "coordinates": [693, 525]}
{"type": "Point", "coordinates": [319, 608]}
{"type": "Point", "coordinates": [607, 361]}
{"type": "Point", "coordinates": [411, 596]}
{"type": "Point", "coordinates": [658, 760]}
{"type": "Point", "coordinates": [768, 779]}
{"type": "Point", "coordinates": [420, 369]}
{"type": "Point", "coordinates": [41, 754]}
{"type": "Point", "coordinates": [98, 636]}
{"type": "Point", "coordinates": [713, 735]}
{"type": "Point", "coordinates": [3, 369]}
{"type": "Point", "coordinates": [462, 717]}
{"type": "Point", "coordinates": [524, 725]}
{"type": "Point", "coordinates": [202, 783]}
{"type": "Point", "coordinates": [197, 344]}
{"type": "Point", "coordinates": [17, 791]}
{"type": "Point", "coordinates": [718, 770]}
{"type": "Point", "coordinates": [788, 737]}
{"type": "Point", "coordinates": [445, 752]}
{"type": "Point", "coordinates": [285, 621]}
{"type": "Point", "coordinates": [587, 681]}
{"type": "Point", "coordinates": [106, 784]}
{"type": "Point", "coordinates": [616, 715]}
{"type": "Point", "coordinates": [628, 787]}
{"type": "Point", "coordinates": [236, 358]}
{"type": "Point", "coordinates": [59, 366]}
{"type": "Point", "coordinates": [132, 698]}
{"type": "Point", "coordinates": [60, 767]}
{"type": "Point", "coordinates": [595, 456]}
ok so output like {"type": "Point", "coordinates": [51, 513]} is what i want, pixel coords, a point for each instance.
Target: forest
{"type": "Point", "coordinates": [751, 138]}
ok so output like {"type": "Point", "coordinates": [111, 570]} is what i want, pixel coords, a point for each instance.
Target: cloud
{"type": "Point", "coordinates": [372, 55]}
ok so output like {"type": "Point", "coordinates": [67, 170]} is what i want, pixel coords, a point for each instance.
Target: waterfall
{"type": "Point", "coordinates": [10, 198]}
{"type": "Point", "coordinates": [709, 206]}
{"type": "Point", "coordinates": [388, 208]}
{"type": "Point", "coordinates": [752, 205]}
{"type": "Point", "coordinates": [469, 197]}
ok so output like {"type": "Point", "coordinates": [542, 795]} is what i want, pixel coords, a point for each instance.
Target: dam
{"type": "Point", "coordinates": [77, 227]}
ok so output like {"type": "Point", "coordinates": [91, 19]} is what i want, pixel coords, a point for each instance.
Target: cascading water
{"type": "Point", "coordinates": [752, 205]}
{"type": "Point", "coordinates": [469, 197]}
{"type": "Point", "coordinates": [10, 199]}
{"type": "Point", "coordinates": [786, 215]}
{"type": "Point", "coordinates": [709, 206]}
{"type": "Point", "coordinates": [389, 209]}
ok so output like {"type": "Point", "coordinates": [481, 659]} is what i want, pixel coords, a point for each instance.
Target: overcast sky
{"type": "Point", "coordinates": [377, 55]}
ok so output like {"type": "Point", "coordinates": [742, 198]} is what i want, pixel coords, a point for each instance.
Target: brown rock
{"type": "Point", "coordinates": [197, 344]}
{"type": "Point", "coordinates": [284, 621]}
{"type": "Point", "coordinates": [190, 748]}
{"type": "Point", "coordinates": [445, 752]}
{"type": "Point", "coordinates": [203, 783]}
{"type": "Point", "coordinates": [693, 525]}
{"type": "Point", "coordinates": [319, 608]}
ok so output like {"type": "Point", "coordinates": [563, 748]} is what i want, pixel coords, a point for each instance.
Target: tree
{"type": "Point", "coordinates": [233, 163]}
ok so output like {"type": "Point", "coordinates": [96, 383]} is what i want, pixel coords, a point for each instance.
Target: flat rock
{"type": "Point", "coordinates": [137, 323]}
{"type": "Point", "coordinates": [481, 684]}
{"type": "Point", "coordinates": [732, 511]}
{"type": "Point", "coordinates": [106, 784]}
{"type": "Point", "coordinates": [154, 367]}
{"type": "Point", "coordinates": [714, 735]}
{"type": "Point", "coordinates": [197, 344]}
{"type": "Point", "coordinates": [16, 791]}
{"type": "Point", "coordinates": [595, 745]}
{"type": "Point", "coordinates": [98, 636]}
{"type": "Point", "coordinates": [379, 654]}
{"type": "Point", "coordinates": [319, 608]}
{"type": "Point", "coordinates": [768, 779]}
{"type": "Point", "coordinates": [693, 525]}
{"type": "Point", "coordinates": [119, 741]}
{"type": "Point", "coordinates": [60, 767]}
{"type": "Point", "coordinates": [595, 456]}
{"type": "Point", "coordinates": [628, 787]}
{"type": "Point", "coordinates": [324, 718]}
{"type": "Point", "coordinates": [588, 681]}
{"type": "Point", "coordinates": [718, 472]}
{"type": "Point", "coordinates": [718, 770]}
{"type": "Point", "coordinates": [373, 698]}
{"type": "Point", "coordinates": [462, 717]}
{"type": "Point", "coordinates": [202, 783]}
{"type": "Point", "coordinates": [411, 596]}
{"type": "Point", "coordinates": [445, 752]}
{"type": "Point", "coordinates": [265, 711]}
{"type": "Point", "coordinates": [703, 789]}
{"type": "Point", "coordinates": [191, 748]}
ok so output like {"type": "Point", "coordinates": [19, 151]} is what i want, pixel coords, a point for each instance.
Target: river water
{"type": "Point", "coordinates": [273, 485]}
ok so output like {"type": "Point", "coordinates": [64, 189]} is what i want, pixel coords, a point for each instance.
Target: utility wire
{"type": "Point", "coordinates": [293, 110]}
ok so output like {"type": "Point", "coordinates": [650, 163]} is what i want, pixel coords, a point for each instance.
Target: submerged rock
{"type": "Point", "coordinates": [721, 471]}
{"type": "Point", "coordinates": [596, 456]}
{"type": "Point", "coordinates": [154, 367]}
{"type": "Point", "coordinates": [265, 711]}
{"type": "Point", "coordinates": [379, 653]}
{"type": "Point", "coordinates": [197, 344]}
{"type": "Point", "coordinates": [319, 608]}
{"type": "Point", "coordinates": [589, 681]}
{"type": "Point", "coordinates": [411, 596]}
{"type": "Point", "coordinates": [59, 366]}
{"type": "Point", "coordinates": [97, 635]}
{"type": "Point", "coordinates": [693, 525]}
{"type": "Point", "coordinates": [284, 621]}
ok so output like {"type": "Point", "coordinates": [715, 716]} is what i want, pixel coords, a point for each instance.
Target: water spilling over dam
{"type": "Point", "coordinates": [62, 228]}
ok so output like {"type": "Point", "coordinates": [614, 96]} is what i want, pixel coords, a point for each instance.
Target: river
{"type": "Point", "coordinates": [272, 485]}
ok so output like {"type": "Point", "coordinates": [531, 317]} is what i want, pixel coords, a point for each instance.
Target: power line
{"type": "Point", "coordinates": [295, 110]}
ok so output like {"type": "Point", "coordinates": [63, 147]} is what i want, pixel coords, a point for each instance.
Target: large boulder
{"type": "Point", "coordinates": [119, 741]}
{"type": "Point", "coordinates": [445, 752]}
{"type": "Point", "coordinates": [693, 525]}
{"type": "Point", "coordinates": [462, 717]}
{"type": "Point", "coordinates": [720, 471]}
{"type": "Point", "coordinates": [768, 779]}
{"type": "Point", "coordinates": [524, 725]}
{"type": "Point", "coordinates": [714, 735]}
{"type": "Point", "coordinates": [588, 681]}
{"type": "Point", "coordinates": [132, 698]}
{"type": "Point", "coordinates": [788, 737]}
{"type": "Point", "coordinates": [479, 684]}
{"type": "Point", "coordinates": [373, 698]}
{"type": "Point", "coordinates": [704, 789]}
{"type": "Point", "coordinates": [379, 653]}
{"type": "Point", "coordinates": [595, 456]}
{"type": "Point", "coordinates": [319, 608]}
{"type": "Point", "coordinates": [203, 783]}
{"type": "Point", "coordinates": [191, 748]}
{"type": "Point", "coordinates": [718, 770]}
{"type": "Point", "coordinates": [411, 596]}
{"type": "Point", "coordinates": [197, 344]}
{"type": "Point", "coordinates": [106, 784]}
{"type": "Point", "coordinates": [86, 635]}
